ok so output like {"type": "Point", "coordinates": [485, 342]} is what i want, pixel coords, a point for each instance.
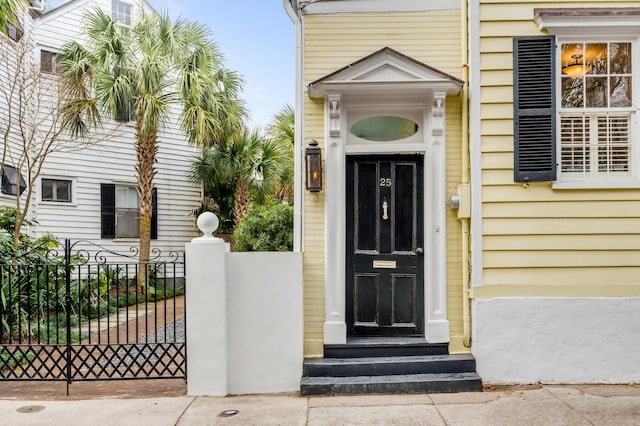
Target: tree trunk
{"type": "Point", "coordinates": [146, 150]}
{"type": "Point", "coordinates": [242, 198]}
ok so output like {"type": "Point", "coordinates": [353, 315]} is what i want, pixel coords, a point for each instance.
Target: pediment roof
{"type": "Point", "coordinates": [385, 70]}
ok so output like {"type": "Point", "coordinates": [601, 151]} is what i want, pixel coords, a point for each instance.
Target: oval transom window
{"type": "Point", "coordinates": [384, 128]}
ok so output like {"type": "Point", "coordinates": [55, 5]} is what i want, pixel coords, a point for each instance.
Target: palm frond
{"type": "Point", "coordinates": [282, 125]}
{"type": "Point", "coordinates": [9, 11]}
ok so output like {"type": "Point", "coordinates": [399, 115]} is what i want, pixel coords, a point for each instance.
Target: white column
{"type": "Point", "coordinates": [206, 302]}
{"type": "Point", "coordinates": [335, 328]}
{"type": "Point", "coordinates": [437, 325]}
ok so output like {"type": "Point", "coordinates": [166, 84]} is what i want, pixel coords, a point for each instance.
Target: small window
{"type": "Point", "coordinates": [10, 181]}
{"type": "Point", "coordinates": [384, 128]}
{"type": "Point", "coordinates": [48, 61]}
{"type": "Point", "coordinates": [127, 212]}
{"type": "Point", "coordinates": [57, 190]}
{"type": "Point", "coordinates": [126, 113]}
{"type": "Point", "coordinates": [15, 31]}
{"type": "Point", "coordinates": [121, 13]}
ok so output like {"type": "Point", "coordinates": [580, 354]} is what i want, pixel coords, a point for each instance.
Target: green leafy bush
{"type": "Point", "coordinates": [268, 228]}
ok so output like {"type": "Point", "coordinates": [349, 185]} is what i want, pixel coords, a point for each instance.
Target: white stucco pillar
{"type": "Point", "coordinates": [206, 304]}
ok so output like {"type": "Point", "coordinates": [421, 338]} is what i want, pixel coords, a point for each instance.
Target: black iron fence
{"type": "Point", "coordinates": [89, 313]}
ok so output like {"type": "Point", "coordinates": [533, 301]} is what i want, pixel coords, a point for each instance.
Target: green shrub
{"type": "Point", "coordinates": [268, 228]}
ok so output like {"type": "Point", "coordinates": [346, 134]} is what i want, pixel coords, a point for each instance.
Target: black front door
{"type": "Point", "coordinates": [384, 246]}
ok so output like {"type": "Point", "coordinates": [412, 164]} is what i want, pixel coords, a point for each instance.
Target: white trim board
{"type": "Point", "coordinates": [314, 7]}
{"type": "Point", "coordinates": [475, 145]}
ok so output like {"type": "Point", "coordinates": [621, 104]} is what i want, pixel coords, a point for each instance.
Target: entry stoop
{"type": "Point", "coordinates": [389, 366]}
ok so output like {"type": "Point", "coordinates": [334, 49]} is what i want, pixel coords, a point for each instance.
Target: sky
{"type": "Point", "coordinates": [257, 39]}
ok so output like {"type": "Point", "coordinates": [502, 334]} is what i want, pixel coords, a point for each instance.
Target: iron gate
{"type": "Point", "coordinates": [90, 313]}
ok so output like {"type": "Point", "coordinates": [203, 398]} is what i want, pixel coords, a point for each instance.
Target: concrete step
{"type": "Point", "coordinates": [381, 366]}
{"type": "Point", "coordinates": [384, 347]}
{"type": "Point", "coordinates": [391, 384]}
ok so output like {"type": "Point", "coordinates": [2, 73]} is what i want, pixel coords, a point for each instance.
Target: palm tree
{"type": "Point", "coordinates": [248, 159]}
{"type": "Point", "coordinates": [9, 10]}
{"type": "Point", "coordinates": [147, 69]}
{"type": "Point", "coordinates": [282, 131]}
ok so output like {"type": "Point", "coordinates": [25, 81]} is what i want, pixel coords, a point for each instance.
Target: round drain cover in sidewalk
{"type": "Point", "coordinates": [30, 409]}
{"type": "Point", "coordinates": [228, 413]}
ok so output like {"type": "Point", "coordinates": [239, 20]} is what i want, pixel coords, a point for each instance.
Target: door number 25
{"type": "Point", "coordinates": [385, 181]}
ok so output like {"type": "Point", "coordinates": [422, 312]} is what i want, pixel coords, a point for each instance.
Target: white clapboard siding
{"type": "Point", "coordinates": [111, 160]}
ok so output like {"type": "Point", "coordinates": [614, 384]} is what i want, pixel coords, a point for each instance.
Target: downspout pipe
{"type": "Point", "coordinates": [292, 9]}
{"type": "Point", "coordinates": [466, 275]}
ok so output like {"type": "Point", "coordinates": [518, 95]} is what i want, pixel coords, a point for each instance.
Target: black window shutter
{"type": "Point", "coordinates": [154, 214]}
{"type": "Point", "coordinates": [534, 108]}
{"type": "Point", "coordinates": [108, 210]}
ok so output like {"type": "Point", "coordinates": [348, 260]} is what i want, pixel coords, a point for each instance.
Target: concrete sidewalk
{"type": "Point", "coordinates": [513, 405]}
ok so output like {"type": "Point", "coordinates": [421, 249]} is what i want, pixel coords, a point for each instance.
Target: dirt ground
{"type": "Point", "coordinates": [103, 389]}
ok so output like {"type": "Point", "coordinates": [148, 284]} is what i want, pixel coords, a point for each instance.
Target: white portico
{"type": "Point", "coordinates": [377, 90]}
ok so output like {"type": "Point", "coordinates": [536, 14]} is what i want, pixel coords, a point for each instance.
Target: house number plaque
{"type": "Point", "coordinates": [384, 264]}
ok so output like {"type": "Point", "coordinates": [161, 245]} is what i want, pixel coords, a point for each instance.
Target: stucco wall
{"type": "Point", "coordinates": [557, 340]}
{"type": "Point", "coordinates": [265, 320]}
{"type": "Point", "coordinates": [244, 320]}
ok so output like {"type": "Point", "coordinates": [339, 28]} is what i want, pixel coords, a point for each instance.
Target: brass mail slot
{"type": "Point", "coordinates": [384, 264]}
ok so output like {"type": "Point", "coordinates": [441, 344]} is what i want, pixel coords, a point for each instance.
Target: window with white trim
{"type": "Point", "coordinates": [596, 110]}
{"type": "Point", "coordinates": [127, 212]}
{"type": "Point", "coordinates": [58, 190]}
{"type": "Point", "coordinates": [48, 61]}
{"type": "Point", "coordinates": [121, 13]}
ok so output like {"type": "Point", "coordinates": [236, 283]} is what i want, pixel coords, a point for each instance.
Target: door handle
{"type": "Point", "coordinates": [419, 250]}
{"type": "Point", "coordinates": [385, 206]}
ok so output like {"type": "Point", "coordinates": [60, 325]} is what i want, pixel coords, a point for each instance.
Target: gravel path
{"type": "Point", "coordinates": [151, 348]}
{"type": "Point", "coordinates": [173, 332]}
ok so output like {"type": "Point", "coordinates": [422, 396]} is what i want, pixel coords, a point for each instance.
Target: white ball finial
{"type": "Point", "coordinates": [207, 223]}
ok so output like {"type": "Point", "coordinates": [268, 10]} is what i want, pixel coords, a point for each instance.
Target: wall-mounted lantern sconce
{"type": "Point", "coordinates": [313, 163]}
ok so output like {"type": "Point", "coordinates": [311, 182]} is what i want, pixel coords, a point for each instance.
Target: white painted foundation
{"type": "Point", "coordinates": [557, 340]}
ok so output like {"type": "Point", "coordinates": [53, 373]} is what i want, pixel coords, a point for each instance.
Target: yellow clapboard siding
{"type": "Point", "coordinates": [454, 237]}
{"type": "Point", "coordinates": [496, 44]}
{"type": "Point", "coordinates": [497, 127]}
{"type": "Point", "coordinates": [515, 192]}
{"type": "Point", "coordinates": [496, 61]}
{"type": "Point", "coordinates": [496, 94]}
{"type": "Point", "coordinates": [580, 278]}
{"type": "Point", "coordinates": [561, 226]}
{"type": "Point", "coordinates": [562, 209]}
{"type": "Point", "coordinates": [535, 235]}
{"type": "Point", "coordinates": [506, 12]}
{"type": "Point", "coordinates": [498, 111]}
{"type": "Point", "coordinates": [562, 242]}
{"type": "Point", "coordinates": [330, 39]}
{"type": "Point", "coordinates": [497, 143]}
{"type": "Point", "coordinates": [557, 258]}
{"type": "Point", "coordinates": [495, 177]}
{"type": "Point", "coordinates": [508, 29]}
{"type": "Point", "coordinates": [456, 345]}
{"type": "Point", "coordinates": [334, 41]}
{"type": "Point", "coordinates": [565, 3]}
{"type": "Point", "coordinates": [497, 160]}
